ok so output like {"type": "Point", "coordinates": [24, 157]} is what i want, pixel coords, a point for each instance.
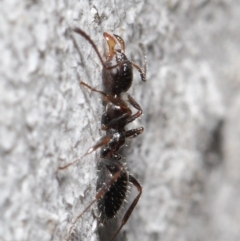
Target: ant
{"type": "Point", "coordinates": [113, 179]}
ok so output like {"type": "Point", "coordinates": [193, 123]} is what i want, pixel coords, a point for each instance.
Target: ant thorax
{"type": "Point", "coordinates": [111, 203]}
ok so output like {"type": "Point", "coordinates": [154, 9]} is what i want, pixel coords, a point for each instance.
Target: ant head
{"type": "Point", "coordinates": [117, 75]}
{"type": "Point", "coordinates": [112, 41]}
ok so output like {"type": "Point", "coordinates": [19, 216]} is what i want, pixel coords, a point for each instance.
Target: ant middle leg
{"type": "Point", "coordinates": [106, 97]}
{"type": "Point", "coordinates": [134, 132]}
{"type": "Point", "coordinates": [141, 72]}
{"type": "Point", "coordinates": [93, 89]}
{"type": "Point", "coordinates": [136, 106]}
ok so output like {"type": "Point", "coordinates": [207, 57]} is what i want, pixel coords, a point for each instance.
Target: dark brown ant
{"type": "Point", "coordinates": [113, 179]}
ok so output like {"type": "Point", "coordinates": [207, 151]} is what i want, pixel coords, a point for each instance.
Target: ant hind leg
{"type": "Point", "coordinates": [132, 206]}
{"type": "Point", "coordinates": [104, 189]}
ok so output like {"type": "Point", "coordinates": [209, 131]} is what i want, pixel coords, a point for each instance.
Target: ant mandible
{"type": "Point", "coordinates": [113, 180]}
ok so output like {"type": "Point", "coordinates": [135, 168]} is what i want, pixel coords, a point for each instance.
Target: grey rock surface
{"type": "Point", "coordinates": [187, 159]}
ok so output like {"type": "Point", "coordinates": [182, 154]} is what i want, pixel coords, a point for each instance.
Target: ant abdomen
{"type": "Point", "coordinates": [112, 201]}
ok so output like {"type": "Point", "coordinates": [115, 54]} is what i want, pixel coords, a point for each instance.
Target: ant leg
{"type": "Point", "coordinates": [131, 208]}
{"type": "Point", "coordinates": [93, 89]}
{"type": "Point", "coordinates": [144, 58]}
{"type": "Point", "coordinates": [143, 72]}
{"type": "Point", "coordinates": [134, 132]}
{"type": "Point", "coordinates": [101, 142]}
{"type": "Point", "coordinates": [114, 121]}
{"type": "Point", "coordinates": [120, 169]}
{"type": "Point", "coordinates": [136, 106]}
{"type": "Point", "coordinates": [107, 98]}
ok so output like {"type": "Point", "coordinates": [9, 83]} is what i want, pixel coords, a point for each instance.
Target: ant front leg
{"type": "Point", "coordinates": [142, 72]}
{"type": "Point", "coordinates": [92, 89]}
{"type": "Point", "coordinates": [136, 106]}
{"type": "Point", "coordinates": [106, 97]}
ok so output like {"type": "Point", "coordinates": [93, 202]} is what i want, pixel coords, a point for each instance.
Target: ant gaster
{"type": "Point", "coordinates": [113, 179]}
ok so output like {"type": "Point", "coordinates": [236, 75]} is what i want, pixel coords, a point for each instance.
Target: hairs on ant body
{"type": "Point", "coordinates": [113, 178]}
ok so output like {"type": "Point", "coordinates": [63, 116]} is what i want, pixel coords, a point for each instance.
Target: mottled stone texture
{"type": "Point", "coordinates": [187, 160]}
